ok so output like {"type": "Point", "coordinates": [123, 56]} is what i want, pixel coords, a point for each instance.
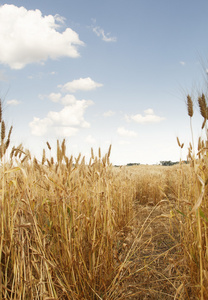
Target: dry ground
{"type": "Point", "coordinates": [154, 260]}
{"type": "Point", "coordinates": [155, 271]}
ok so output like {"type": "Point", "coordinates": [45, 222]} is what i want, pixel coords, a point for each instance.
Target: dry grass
{"type": "Point", "coordinates": [61, 226]}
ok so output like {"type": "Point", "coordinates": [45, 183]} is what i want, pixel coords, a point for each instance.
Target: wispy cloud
{"type": "Point", "coordinates": [101, 33]}
{"type": "Point", "coordinates": [13, 102]}
{"type": "Point", "coordinates": [109, 113]}
{"type": "Point", "coordinates": [82, 84]}
{"type": "Point", "coordinates": [182, 63]}
{"type": "Point", "coordinates": [40, 75]}
{"type": "Point", "coordinates": [124, 132]}
{"type": "Point", "coordinates": [29, 37]}
{"type": "Point", "coordinates": [105, 36]}
{"type": "Point", "coordinates": [148, 117]}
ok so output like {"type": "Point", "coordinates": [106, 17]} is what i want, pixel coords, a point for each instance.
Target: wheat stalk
{"type": "Point", "coordinates": [49, 146]}
{"type": "Point", "coordinates": [92, 153]}
{"type": "Point", "coordinates": [63, 148]}
{"type": "Point", "coordinates": [43, 157]}
{"type": "Point", "coordinates": [202, 106]}
{"type": "Point", "coordinates": [190, 106]}
{"type": "Point", "coordinates": [190, 113]}
{"type": "Point", "coordinates": [178, 142]}
{"type": "Point", "coordinates": [0, 111]}
{"type": "Point", "coordinates": [3, 130]}
{"type": "Point", "coordinates": [109, 150]}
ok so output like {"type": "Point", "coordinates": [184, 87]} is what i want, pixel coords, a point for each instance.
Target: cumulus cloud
{"type": "Point", "coordinates": [65, 122]}
{"type": "Point", "coordinates": [68, 99]}
{"type": "Point", "coordinates": [71, 115]}
{"type": "Point", "coordinates": [39, 127]}
{"type": "Point", "coordinates": [70, 119]}
{"type": "Point", "coordinates": [29, 37]}
{"type": "Point", "coordinates": [58, 98]}
{"type": "Point", "coordinates": [148, 117]}
{"type": "Point", "coordinates": [124, 132]}
{"type": "Point", "coordinates": [109, 113]}
{"type": "Point", "coordinates": [105, 37]}
{"type": "Point", "coordinates": [149, 111]}
{"type": "Point", "coordinates": [54, 97]}
{"type": "Point", "coordinates": [82, 84]}
{"type": "Point", "coordinates": [13, 102]}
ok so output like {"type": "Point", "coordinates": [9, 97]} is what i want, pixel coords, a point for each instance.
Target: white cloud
{"type": "Point", "coordinates": [71, 115]}
{"type": "Point", "coordinates": [58, 98]}
{"type": "Point", "coordinates": [109, 113]}
{"type": "Point", "coordinates": [105, 37]}
{"type": "Point", "coordinates": [66, 122]}
{"type": "Point", "coordinates": [13, 102]}
{"type": "Point", "coordinates": [148, 117]}
{"type": "Point", "coordinates": [90, 139]}
{"type": "Point", "coordinates": [149, 111]}
{"type": "Point", "coordinates": [182, 63]}
{"type": "Point", "coordinates": [68, 99]}
{"type": "Point", "coordinates": [40, 127]}
{"type": "Point", "coordinates": [82, 84]}
{"type": "Point", "coordinates": [124, 132]}
{"type": "Point", "coordinates": [29, 37]}
{"type": "Point", "coordinates": [55, 97]}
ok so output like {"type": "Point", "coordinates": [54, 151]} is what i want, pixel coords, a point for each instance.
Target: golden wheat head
{"type": "Point", "coordinates": [203, 106]}
{"type": "Point", "coordinates": [190, 106]}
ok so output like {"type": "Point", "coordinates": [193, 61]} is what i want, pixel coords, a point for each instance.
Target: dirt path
{"type": "Point", "coordinates": [154, 274]}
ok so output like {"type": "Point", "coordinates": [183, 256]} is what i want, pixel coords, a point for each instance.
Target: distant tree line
{"type": "Point", "coordinates": [129, 164]}
{"type": "Point", "coordinates": [168, 163]}
{"type": "Point", "coordinates": [133, 164]}
{"type": "Point", "coordinates": [162, 163]}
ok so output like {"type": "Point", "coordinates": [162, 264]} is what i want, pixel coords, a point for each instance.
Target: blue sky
{"type": "Point", "coordinates": [103, 72]}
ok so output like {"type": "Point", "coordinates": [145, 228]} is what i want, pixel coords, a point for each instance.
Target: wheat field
{"type": "Point", "coordinates": [71, 229]}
